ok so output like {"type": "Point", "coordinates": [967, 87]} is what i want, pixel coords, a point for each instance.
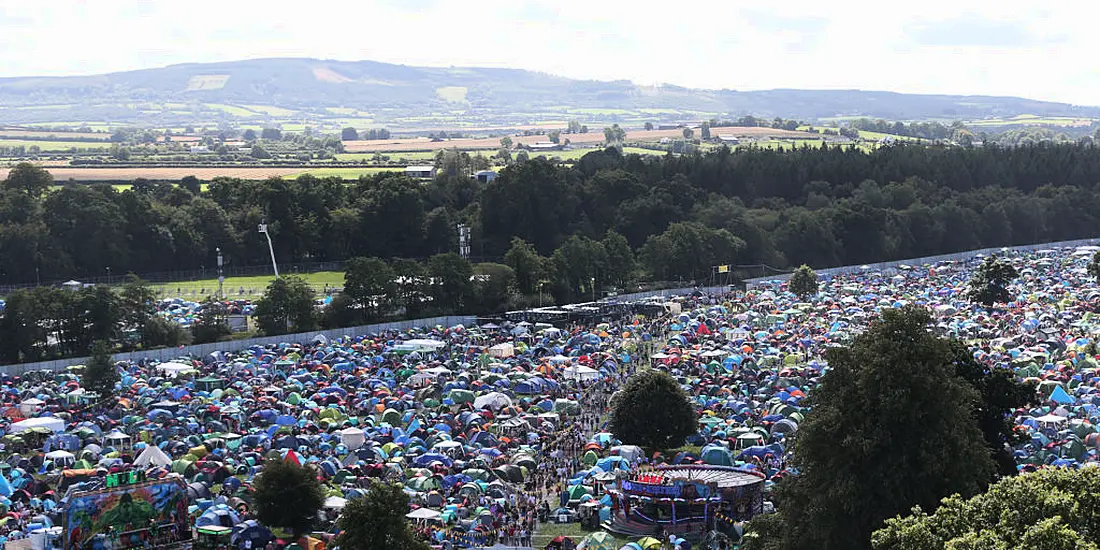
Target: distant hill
{"type": "Point", "coordinates": [367, 93]}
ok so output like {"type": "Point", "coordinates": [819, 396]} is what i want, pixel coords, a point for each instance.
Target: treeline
{"type": "Point", "coordinates": [49, 322]}
{"type": "Point", "coordinates": [925, 130]}
{"type": "Point", "coordinates": [678, 215]}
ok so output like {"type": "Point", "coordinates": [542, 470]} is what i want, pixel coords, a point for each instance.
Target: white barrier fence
{"type": "Point", "coordinates": [202, 350]}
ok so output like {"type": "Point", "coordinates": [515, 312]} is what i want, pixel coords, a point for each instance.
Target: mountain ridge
{"type": "Point", "coordinates": [393, 92]}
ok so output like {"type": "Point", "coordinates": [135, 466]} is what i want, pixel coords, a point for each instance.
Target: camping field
{"type": "Point", "coordinates": [45, 145]}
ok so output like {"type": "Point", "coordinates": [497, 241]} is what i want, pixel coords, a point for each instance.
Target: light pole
{"type": "Point", "coordinates": [221, 277]}
{"type": "Point", "coordinates": [271, 248]}
{"type": "Point", "coordinates": [593, 289]}
{"type": "Point", "coordinates": [108, 276]}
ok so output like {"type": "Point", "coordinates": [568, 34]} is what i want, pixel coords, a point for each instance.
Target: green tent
{"type": "Point", "coordinates": [461, 396]}
{"type": "Point", "coordinates": [391, 417]}
{"type": "Point", "coordinates": [590, 458]}
{"type": "Point", "coordinates": [578, 492]}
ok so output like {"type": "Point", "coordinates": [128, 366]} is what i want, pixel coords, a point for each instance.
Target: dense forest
{"type": "Point", "coordinates": [676, 215]}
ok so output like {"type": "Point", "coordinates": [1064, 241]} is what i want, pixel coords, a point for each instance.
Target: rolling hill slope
{"type": "Point", "coordinates": [318, 90]}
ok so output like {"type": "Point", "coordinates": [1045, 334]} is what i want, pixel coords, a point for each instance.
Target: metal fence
{"type": "Point", "coordinates": [201, 350]}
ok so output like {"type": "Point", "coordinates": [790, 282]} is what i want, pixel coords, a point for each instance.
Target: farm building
{"type": "Point", "coordinates": [426, 172]}
{"type": "Point", "coordinates": [546, 146]}
{"type": "Point", "coordinates": [732, 140]}
{"type": "Point", "coordinates": [199, 149]}
{"type": "Point", "coordinates": [485, 176]}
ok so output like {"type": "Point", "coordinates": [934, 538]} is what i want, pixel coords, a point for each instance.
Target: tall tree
{"type": "Point", "coordinates": [377, 520]}
{"type": "Point", "coordinates": [287, 495]}
{"type": "Point", "coordinates": [652, 411]}
{"type": "Point", "coordinates": [892, 426]}
{"type": "Point", "coordinates": [451, 284]}
{"type": "Point", "coordinates": [286, 306]}
{"type": "Point", "coordinates": [29, 178]}
{"type": "Point", "coordinates": [525, 262]}
{"type": "Point", "coordinates": [989, 284]}
{"type": "Point", "coordinates": [803, 282]}
{"type": "Point", "coordinates": [100, 374]}
{"type": "Point", "coordinates": [371, 283]}
{"type": "Point", "coordinates": [212, 325]}
{"type": "Point", "coordinates": [349, 134]}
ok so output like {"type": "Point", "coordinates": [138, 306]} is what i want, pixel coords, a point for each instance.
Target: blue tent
{"type": "Point", "coordinates": [1059, 395]}
{"type": "Point", "coordinates": [717, 455]}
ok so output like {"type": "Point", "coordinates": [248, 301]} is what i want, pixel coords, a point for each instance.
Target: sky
{"type": "Point", "coordinates": [1039, 50]}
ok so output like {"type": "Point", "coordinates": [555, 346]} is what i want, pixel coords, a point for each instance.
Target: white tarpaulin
{"type": "Point", "coordinates": [493, 400]}
{"type": "Point", "coordinates": [49, 422]}
{"type": "Point", "coordinates": [580, 372]}
{"type": "Point", "coordinates": [502, 351]}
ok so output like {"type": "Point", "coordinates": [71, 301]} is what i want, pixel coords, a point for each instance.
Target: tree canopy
{"type": "Point", "coordinates": [287, 495]}
{"type": "Point", "coordinates": [100, 374]}
{"type": "Point", "coordinates": [989, 284]}
{"type": "Point", "coordinates": [286, 307]}
{"type": "Point", "coordinates": [803, 282]}
{"type": "Point", "coordinates": [653, 411]}
{"type": "Point", "coordinates": [892, 425]}
{"type": "Point", "coordinates": [377, 520]}
{"type": "Point", "coordinates": [1052, 509]}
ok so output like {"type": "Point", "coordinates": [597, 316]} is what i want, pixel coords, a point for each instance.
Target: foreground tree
{"type": "Point", "coordinates": [377, 520]}
{"type": "Point", "coordinates": [989, 285]}
{"type": "Point", "coordinates": [1094, 266]}
{"type": "Point", "coordinates": [211, 325]}
{"type": "Point", "coordinates": [286, 306]}
{"type": "Point", "coordinates": [803, 283]}
{"type": "Point", "coordinates": [287, 495]}
{"type": "Point", "coordinates": [1052, 509]}
{"type": "Point", "coordinates": [100, 375]}
{"type": "Point", "coordinates": [892, 426]}
{"type": "Point", "coordinates": [653, 411]}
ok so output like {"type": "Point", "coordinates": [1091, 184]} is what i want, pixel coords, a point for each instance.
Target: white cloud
{"type": "Point", "coordinates": [1004, 47]}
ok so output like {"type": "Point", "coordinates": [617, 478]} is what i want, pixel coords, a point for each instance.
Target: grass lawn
{"type": "Point", "coordinates": [253, 286]}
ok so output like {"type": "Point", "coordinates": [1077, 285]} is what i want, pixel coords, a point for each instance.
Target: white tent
{"type": "Point", "coordinates": [336, 503]}
{"type": "Point", "coordinates": [152, 455]}
{"type": "Point", "coordinates": [352, 438]}
{"type": "Point", "coordinates": [49, 422]}
{"type": "Point", "coordinates": [423, 513]}
{"type": "Point", "coordinates": [425, 344]}
{"type": "Point", "coordinates": [502, 351]}
{"type": "Point", "coordinates": [438, 370]}
{"type": "Point", "coordinates": [1051, 419]}
{"type": "Point", "coordinates": [172, 368]}
{"type": "Point", "coordinates": [580, 372]}
{"type": "Point", "coordinates": [493, 400]}
{"type": "Point", "coordinates": [61, 458]}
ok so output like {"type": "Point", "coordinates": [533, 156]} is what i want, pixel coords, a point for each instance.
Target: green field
{"type": "Point", "coordinates": [345, 173]}
{"type": "Point", "coordinates": [231, 109]}
{"type": "Point", "coordinates": [54, 145]}
{"type": "Point", "coordinates": [271, 110]}
{"type": "Point", "coordinates": [394, 155]}
{"type": "Point", "coordinates": [253, 286]}
{"type": "Point", "coordinates": [875, 136]}
{"type": "Point", "coordinates": [1031, 120]}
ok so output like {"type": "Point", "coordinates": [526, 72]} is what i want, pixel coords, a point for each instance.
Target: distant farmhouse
{"type": "Point", "coordinates": [420, 172]}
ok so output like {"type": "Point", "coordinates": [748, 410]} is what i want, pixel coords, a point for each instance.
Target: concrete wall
{"type": "Point", "coordinates": [201, 350]}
